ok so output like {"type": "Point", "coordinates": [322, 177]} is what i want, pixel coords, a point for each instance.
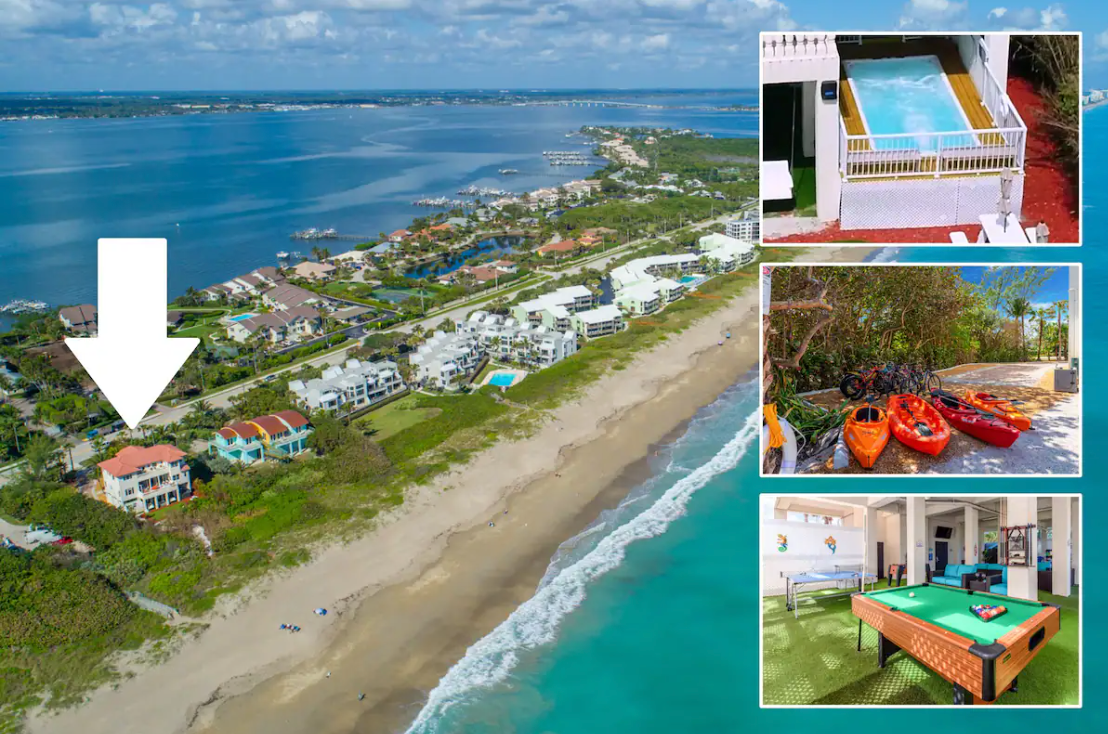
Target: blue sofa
{"type": "Point", "coordinates": [955, 574]}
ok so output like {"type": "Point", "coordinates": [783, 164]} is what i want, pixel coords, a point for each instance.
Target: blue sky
{"type": "Point", "coordinates": [1056, 287]}
{"type": "Point", "coordinates": [365, 44]}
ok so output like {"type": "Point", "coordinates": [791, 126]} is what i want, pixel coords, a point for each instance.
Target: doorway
{"type": "Point", "coordinates": [783, 140]}
{"type": "Point", "coordinates": [940, 554]}
{"type": "Point", "coordinates": [880, 560]}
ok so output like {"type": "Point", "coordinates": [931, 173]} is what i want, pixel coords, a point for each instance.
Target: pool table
{"type": "Point", "coordinates": [933, 623]}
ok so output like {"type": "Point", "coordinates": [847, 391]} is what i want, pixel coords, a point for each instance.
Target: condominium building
{"type": "Point", "coordinates": [348, 388]}
{"type": "Point", "coordinates": [747, 229]}
{"type": "Point", "coordinates": [444, 359]}
{"type": "Point", "coordinates": [554, 309]}
{"type": "Point", "coordinates": [726, 253]}
{"type": "Point", "coordinates": [648, 269]}
{"type": "Point", "coordinates": [507, 340]}
{"type": "Point", "coordinates": [141, 479]}
{"type": "Point", "coordinates": [278, 436]}
{"type": "Point", "coordinates": [647, 297]}
{"type": "Point", "coordinates": [598, 322]}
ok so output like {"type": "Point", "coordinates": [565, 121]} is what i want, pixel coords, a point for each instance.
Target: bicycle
{"type": "Point", "coordinates": [875, 379]}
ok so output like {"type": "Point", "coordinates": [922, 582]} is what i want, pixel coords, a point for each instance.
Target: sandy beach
{"type": "Point", "coordinates": [407, 600]}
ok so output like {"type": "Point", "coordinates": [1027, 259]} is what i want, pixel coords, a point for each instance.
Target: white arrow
{"type": "Point", "coordinates": [131, 359]}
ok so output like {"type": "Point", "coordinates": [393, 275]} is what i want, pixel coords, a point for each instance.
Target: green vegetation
{"type": "Point", "coordinates": [844, 318]}
{"type": "Point", "coordinates": [1053, 63]}
{"type": "Point", "coordinates": [395, 417]}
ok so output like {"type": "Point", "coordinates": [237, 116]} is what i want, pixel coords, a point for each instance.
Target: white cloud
{"type": "Point", "coordinates": [997, 13]}
{"type": "Point", "coordinates": [933, 14]}
{"type": "Point", "coordinates": [659, 42]}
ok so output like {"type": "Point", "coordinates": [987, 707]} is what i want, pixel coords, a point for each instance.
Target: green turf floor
{"type": "Point", "coordinates": [814, 661]}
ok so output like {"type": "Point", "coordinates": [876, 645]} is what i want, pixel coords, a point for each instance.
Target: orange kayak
{"type": "Point", "coordinates": [917, 424]}
{"type": "Point", "coordinates": [999, 407]}
{"type": "Point", "coordinates": [867, 433]}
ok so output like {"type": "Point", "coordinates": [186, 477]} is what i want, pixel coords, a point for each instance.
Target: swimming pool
{"type": "Point", "coordinates": [686, 279]}
{"type": "Point", "coordinates": [243, 317]}
{"type": "Point", "coordinates": [905, 97]}
{"type": "Point", "coordinates": [502, 379]}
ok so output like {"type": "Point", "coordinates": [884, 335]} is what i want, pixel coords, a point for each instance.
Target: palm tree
{"type": "Point", "coordinates": [1019, 308]}
{"type": "Point", "coordinates": [1060, 308]}
{"type": "Point", "coordinates": [1042, 314]}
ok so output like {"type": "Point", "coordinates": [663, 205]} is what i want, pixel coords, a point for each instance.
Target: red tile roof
{"type": "Point", "coordinates": [245, 430]}
{"type": "Point", "coordinates": [270, 424]}
{"type": "Point", "coordinates": [134, 458]}
{"type": "Point", "coordinates": [563, 246]}
{"type": "Point", "coordinates": [293, 418]}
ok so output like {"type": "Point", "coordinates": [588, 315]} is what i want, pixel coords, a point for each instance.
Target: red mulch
{"type": "Point", "coordinates": [1048, 193]}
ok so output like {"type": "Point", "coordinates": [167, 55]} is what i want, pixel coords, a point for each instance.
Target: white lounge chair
{"type": "Point", "coordinates": [959, 238]}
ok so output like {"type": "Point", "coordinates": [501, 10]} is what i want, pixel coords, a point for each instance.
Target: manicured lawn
{"type": "Point", "coordinates": [204, 331]}
{"type": "Point", "coordinates": [395, 417]}
{"type": "Point", "coordinates": [346, 289]}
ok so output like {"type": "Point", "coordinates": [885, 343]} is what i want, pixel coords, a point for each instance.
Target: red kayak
{"type": "Point", "coordinates": [916, 424]}
{"type": "Point", "coordinates": [967, 419]}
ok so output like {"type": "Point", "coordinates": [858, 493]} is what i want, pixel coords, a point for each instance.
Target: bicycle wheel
{"type": "Point", "coordinates": [852, 386]}
{"type": "Point", "coordinates": [931, 381]}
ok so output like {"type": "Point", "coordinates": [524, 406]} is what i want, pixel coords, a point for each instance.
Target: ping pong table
{"type": "Point", "coordinates": [849, 580]}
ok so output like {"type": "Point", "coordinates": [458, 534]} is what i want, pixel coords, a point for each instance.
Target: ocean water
{"type": "Point", "coordinates": [227, 190]}
{"type": "Point", "coordinates": [649, 622]}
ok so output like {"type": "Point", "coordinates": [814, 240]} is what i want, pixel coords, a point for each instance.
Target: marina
{"type": "Point", "coordinates": [315, 234]}
{"type": "Point", "coordinates": [567, 158]}
{"type": "Point", "coordinates": [483, 191]}
{"type": "Point", "coordinates": [23, 306]}
{"type": "Point", "coordinates": [442, 202]}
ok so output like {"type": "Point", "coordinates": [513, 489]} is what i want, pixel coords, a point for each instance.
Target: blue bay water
{"type": "Point", "coordinates": [665, 637]}
{"type": "Point", "coordinates": [239, 184]}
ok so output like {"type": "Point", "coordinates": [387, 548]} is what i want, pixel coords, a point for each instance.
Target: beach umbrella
{"type": "Point", "coordinates": [321, 611]}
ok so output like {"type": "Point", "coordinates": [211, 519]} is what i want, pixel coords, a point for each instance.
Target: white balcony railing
{"type": "Point", "coordinates": [931, 154]}
{"type": "Point", "coordinates": [798, 45]}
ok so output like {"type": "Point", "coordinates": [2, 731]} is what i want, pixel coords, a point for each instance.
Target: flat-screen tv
{"type": "Point", "coordinates": [943, 532]}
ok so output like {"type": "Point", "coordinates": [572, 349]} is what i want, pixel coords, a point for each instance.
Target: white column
{"type": "Point", "coordinates": [872, 533]}
{"type": "Point", "coordinates": [1023, 580]}
{"type": "Point", "coordinates": [1074, 336]}
{"type": "Point", "coordinates": [917, 540]}
{"type": "Point", "coordinates": [971, 537]}
{"type": "Point", "coordinates": [902, 555]}
{"type": "Point", "coordinates": [809, 91]}
{"type": "Point", "coordinates": [828, 183]}
{"type": "Point", "coordinates": [1075, 533]}
{"type": "Point", "coordinates": [1061, 512]}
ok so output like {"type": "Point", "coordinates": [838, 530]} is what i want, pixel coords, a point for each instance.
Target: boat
{"type": "Point", "coordinates": [282, 255]}
{"type": "Point", "coordinates": [974, 421]}
{"type": "Point", "coordinates": [998, 407]}
{"type": "Point", "coordinates": [866, 433]}
{"type": "Point", "coordinates": [917, 424]}
{"type": "Point", "coordinates": [507, 171]}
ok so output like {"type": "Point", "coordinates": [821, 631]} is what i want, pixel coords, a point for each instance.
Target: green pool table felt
{"type": "Point", "coordinates": [949, 608]}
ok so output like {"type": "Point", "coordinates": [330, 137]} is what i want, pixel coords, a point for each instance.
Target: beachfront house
{"type": "Point", "coordinates": [871, 122]}
{"type": "Point", "coordinates": [142, 479]}
{"type": "Point", "coordinates": [80, 319]}
{"type": "Point", "coordinates": [598, 322]}
{"type": "Point", "coordinates": [445, 359]}
{"type": "Point", "coordinates": [509, 340]}
{"type": "Point", "coordinates": [350, 387]}
{"type": "Point", "coordinates": [278, 436]}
